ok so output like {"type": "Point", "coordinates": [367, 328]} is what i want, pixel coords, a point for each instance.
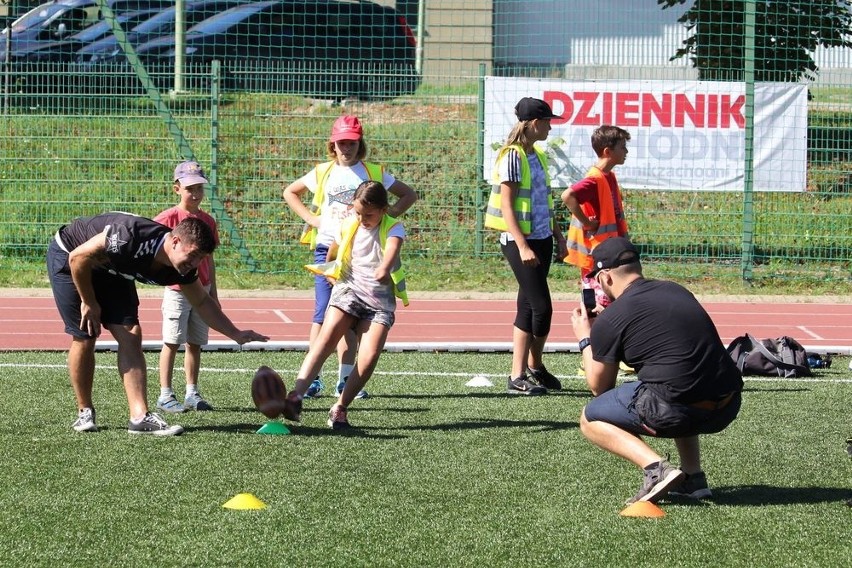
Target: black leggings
{"type": "Point", "coordinates": [535, 308]}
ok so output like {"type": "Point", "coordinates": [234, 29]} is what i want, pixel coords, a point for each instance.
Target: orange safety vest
{"type": "Point", "coordinates": [580, 241]}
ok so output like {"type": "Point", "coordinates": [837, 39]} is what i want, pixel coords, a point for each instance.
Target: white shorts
{"type": "Point", "coordinates": [181, 323]}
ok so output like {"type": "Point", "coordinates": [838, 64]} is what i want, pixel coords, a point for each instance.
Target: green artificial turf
{"type": "Point", "coordinates": [434, 474]}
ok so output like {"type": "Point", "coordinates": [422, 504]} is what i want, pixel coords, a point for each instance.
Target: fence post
{"type": "Point", "coordinates": [747, 261]}
{"type": "Point", "coordinates": [216, 204]}
{"type": "Point", "coordinates": [478, 244]}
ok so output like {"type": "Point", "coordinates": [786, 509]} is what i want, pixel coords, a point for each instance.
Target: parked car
{"type": "Point", "coordinates": [312, 47]}
{"type": "Point", "coordinates": [58, 19]}
{"type": "Point", "coordinates": [37, 49]}
{"type": "Point", "coordinates": [161, 24]}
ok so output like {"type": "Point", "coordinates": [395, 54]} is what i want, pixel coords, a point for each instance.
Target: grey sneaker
{"type": "Point", "coordinates": [659, 479]}
{"type": "Point", "coordinates": [153, 425]}
{"type": "Point", "coordinates": [196, 402]}
{"type": "Point", "coordinates": [341, 383]}
{"type": "Point", "coordinates": [337, 418]}
{"type": "Point", "coordinates": [85, 421]}
{"type": "Point", "coordinates": [694, 485]}
{"type": "Point", "coordinates": [522, 385]}
{"type": "Point", "coordinates": [170, 404]}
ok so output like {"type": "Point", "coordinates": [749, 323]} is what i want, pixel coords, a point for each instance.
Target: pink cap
{"type": "Point", "coordinates": [346, 128]}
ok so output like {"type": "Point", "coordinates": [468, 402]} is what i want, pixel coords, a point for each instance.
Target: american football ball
{"type": "Point", "coordinates": [268, 392]}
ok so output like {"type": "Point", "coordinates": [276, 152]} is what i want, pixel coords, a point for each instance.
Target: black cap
{"type": "Point", "coordinates": [613, 252]}
{"type": "Point", "coordinates": [529, 108]}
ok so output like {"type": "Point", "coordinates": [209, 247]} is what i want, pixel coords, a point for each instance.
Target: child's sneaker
{"type": "Point", "coordinates": [196, 402]}
{"type": "Point", "coordinates": [315, 388]}
{"type": "Point", "coordinates": [170, 404]}
{"type": "Point", "coordinates": [293, 407]}
{"type": "Point", "coordinates": [337, 418]}
{"type": "Point", "coordinates": [85, 421]}
{"type": "Point", "coordinates": [153, 425]}
{"type": "Point", "coordinates": [522, 385]}
{"type": "Point", "coordinates": [341, 383]}
{"type": "Point", "coordinates": [543, 377]}
{"type": "Point", "coordinates": [694, 485]}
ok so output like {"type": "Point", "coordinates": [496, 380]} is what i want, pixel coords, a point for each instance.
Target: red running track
{"type": "Point", "coordinates": [29, 321]}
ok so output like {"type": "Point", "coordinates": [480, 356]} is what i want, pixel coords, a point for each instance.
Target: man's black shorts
{"type": "Point", "coordinates": [116, 295]}
{"type": "Point", "coordinates": [635, 409]}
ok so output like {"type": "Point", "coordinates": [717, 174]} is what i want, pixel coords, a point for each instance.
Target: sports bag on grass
{"type": "Point", "coordinates": [783, 357]}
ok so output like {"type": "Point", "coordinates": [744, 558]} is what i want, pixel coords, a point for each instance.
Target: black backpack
{"type": "Point", "coordinates": [782, 357]}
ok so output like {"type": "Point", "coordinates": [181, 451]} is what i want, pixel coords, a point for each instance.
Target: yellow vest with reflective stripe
{"type": "Point", "coordinates": [522, 204]}
{"type": "Point", "coordinates": [309, 234]}
{"type": "Point", "coordinates": [580, 241]}
{"type": "Point", "coordinates": [334, 268]}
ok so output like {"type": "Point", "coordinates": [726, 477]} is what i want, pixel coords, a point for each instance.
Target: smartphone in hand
{"type": "Point", "coordinates": [589, 301]}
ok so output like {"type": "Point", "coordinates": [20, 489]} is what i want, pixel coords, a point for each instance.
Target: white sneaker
{"type": "Point", "coordinates": [85, 421]}
{"type": "Point", "coordinates": [153, 425]}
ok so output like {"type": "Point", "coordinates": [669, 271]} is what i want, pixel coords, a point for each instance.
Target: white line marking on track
{"type": "Point", "coordinates": [282, 315]}
{"type": "Point", "coordinates": [809, 332]}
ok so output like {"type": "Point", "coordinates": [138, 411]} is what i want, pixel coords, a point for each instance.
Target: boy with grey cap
{"type": "Point", "coordinates": [181, 323]}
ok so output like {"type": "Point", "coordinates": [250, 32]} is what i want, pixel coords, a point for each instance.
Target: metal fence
{"type": "Point", "coordinates": [80, 138]}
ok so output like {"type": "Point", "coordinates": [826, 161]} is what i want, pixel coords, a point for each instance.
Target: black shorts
{"type": "Point", "coordinates": [636, 409]}
{"type": "Point", "coordinates": [675, 420]}
{"type": "Point", "coordinates": [115, 294]}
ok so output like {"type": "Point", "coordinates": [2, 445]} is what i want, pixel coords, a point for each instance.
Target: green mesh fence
{"type": "Point", "coordinates": [740, 158]}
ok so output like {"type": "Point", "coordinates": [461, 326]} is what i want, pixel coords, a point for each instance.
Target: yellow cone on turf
{"type": "Point", "coordinates": [642, 509]}
{"type": "Point", "coordinates": [244, 501]}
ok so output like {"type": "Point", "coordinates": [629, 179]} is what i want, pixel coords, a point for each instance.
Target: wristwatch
{"type": "Point", "coordinates": [585, 342]}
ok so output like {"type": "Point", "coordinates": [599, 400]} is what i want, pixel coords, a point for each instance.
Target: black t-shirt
{"type": "Point", "coordinates": [660, 329]}
{"type": "Point", "coordinates": [132, 242]}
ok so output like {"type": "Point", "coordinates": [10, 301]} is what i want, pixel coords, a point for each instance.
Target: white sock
{"type": "Point", "coordinates": [191, 389]}
{"type": "Point", "coordinates": [344, 371]}
{"type": "Point", "coordinates": [166, 392]}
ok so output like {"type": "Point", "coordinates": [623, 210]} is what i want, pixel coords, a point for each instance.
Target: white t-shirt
{"type": "Point", "coordinates": [367, 255]}
{"type": "Point", "coordinates": [340, 186]}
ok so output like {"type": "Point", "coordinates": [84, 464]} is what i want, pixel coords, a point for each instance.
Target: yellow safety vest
{"type": "Point", "coordinates": [309, 234]}
{"type": "Point", "coordinates": [523, 200]}
{"type": "Point", "coordinates": [580, 241]}
{"type": "Point", "coordinates": [334, 268]}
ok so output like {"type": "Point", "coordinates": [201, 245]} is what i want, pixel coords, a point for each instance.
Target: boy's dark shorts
{"type": "Point", "coordinates": [116, 295]}
{"type": "Point", "coordinates": [636, 409]}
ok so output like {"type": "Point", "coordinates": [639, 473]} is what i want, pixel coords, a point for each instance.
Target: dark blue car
{"type": "Point", "coordinates": [161, 24]}
{"type": "Point", "coordinates": [314, 47]}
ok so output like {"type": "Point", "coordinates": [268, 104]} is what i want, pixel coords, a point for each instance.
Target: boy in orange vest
{"type": "Point", "coordinates": [596, 206]}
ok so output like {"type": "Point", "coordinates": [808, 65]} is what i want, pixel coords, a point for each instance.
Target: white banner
{"type": "Point", "coordinates": [685, 135]}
